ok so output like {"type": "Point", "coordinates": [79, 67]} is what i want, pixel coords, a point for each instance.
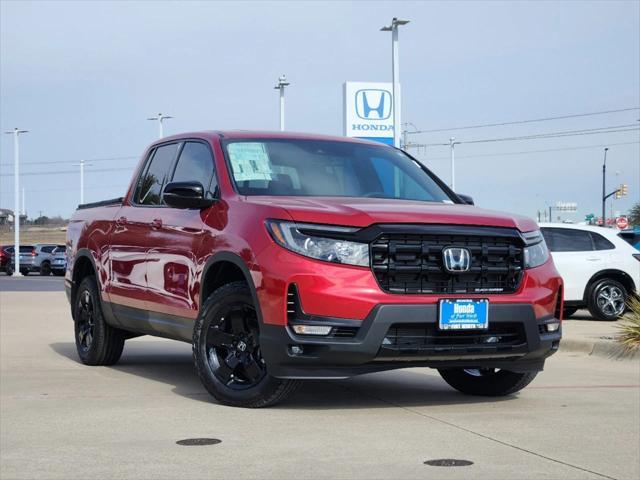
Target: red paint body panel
{"type": "Point", "coordinates": [159, 268]}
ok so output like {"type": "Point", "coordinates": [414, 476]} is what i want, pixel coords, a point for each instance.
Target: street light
{"type": "Point", "coordinates": [452, 144]}
{"type": "Point", "coordinates": [604, 193]}
{"type": "Point", "coordinates": [160, 118]}
{"type": "Point", "coordinates": [83, 164]}
{"type": "Point", "coordinates": [282, 82]}
{"type": "Point", "coordinates": [16, 197]}
{"type": "Point", "coordinates": [395, 76]}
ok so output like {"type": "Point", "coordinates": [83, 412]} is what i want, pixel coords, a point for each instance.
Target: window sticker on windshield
{"type": "Point", "coordinates": [250, 161]}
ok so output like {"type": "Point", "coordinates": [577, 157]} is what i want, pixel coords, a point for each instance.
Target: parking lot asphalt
{"type": "Point", "coordinates": [580, 419]}
{"type": "Point", "coordinates": [31, 283]}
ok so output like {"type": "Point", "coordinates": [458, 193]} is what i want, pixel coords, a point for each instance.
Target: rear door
{"type": "Point", "coordinates": [575, 257]}
{"type": "Point", "coordinates": [174, 241]}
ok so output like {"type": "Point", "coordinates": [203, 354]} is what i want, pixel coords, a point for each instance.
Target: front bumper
{"type": "Point", "coordinates": [376, 344]}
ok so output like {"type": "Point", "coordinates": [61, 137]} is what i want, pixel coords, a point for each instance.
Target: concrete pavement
{"type": "Point", "coordinates": [59, 419]}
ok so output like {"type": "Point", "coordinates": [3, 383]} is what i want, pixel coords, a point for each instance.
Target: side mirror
{"type": "Point", "coordinates": [466, 199]}
{"type": "Point", "coordinates": [185, 195]}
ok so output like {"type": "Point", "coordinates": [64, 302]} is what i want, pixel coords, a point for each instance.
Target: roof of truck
{"type": "Point", "coordinates": [261, 134]}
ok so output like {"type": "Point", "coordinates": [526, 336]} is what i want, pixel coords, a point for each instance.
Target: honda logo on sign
{"type": "Point", "coordinates": [456, 260]}
{"type": "Point", "coordinates": [373, 104]}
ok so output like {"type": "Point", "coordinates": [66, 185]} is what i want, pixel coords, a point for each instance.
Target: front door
{"type": "Point", "coordinates": [174, 243]}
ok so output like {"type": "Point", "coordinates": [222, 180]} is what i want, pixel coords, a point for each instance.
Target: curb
{"type": "Point", "coordinates": [601, 347]}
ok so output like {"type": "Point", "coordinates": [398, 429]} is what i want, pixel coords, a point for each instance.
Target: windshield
{"type": "Point", "coordinates": [325, 168]}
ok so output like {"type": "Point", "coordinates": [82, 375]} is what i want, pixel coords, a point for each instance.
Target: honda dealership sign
{"type": "Point", "coordinates": [368, 111]}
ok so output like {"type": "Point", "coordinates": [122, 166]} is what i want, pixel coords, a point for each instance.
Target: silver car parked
{"type": "Point", "coordinates": [59, 261]}
{"type": "Point", "coordinates": [43, 257]}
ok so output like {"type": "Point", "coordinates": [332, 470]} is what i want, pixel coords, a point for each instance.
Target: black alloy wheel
{"type": "Point", "coordinates": [97, 342]}
{"type": "Point", "coordinates": [227, 353]}
{"type": "Point", "coordinates": [233, 350]}
{"type": "Point", "coordinates": [85, 321]}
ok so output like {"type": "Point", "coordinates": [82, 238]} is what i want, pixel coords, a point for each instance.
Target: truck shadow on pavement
{"type": "Point", "coordinates": [395, 388]}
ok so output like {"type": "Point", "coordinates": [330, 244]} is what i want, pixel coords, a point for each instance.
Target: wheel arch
{"type": "Point", "coordinates": [623, 277]}
{"type": "Point", "coordinates": [83, 266]}
{"type": "Point", "coordinates": [223, 268]}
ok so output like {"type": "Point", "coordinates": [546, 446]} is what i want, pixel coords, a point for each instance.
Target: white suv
{"type": "Point", "coordinates": [600, 270]}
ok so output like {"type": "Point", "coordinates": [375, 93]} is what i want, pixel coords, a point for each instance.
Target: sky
{"type": "Point", "coordinates": [83, 77]}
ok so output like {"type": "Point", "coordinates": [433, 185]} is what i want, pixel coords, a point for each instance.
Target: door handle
{"type": "Point", "coordinates": [121, 221]}
{"type": "Point", "coordinates": [156, 223]}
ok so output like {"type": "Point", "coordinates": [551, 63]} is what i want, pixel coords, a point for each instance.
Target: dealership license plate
{"type": "Point", "coordinates": [463, 314]}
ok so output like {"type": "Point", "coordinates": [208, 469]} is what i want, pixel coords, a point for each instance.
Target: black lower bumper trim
{"type": "Point", "coordinates": [516, 341]}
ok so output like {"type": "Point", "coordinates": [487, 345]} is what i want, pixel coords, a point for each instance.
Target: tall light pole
{"type": "Point", "coordinates": [395, 76]}
{"type": "Point", "coordinates": [282, 82]}
{"type": "Point", "coordinates": [604, 193]}
{"type": "Point", "coordinates": [82, 164]}
{"type": "Point", "coordinates": [160, 117]}
{"type": "Point", "coordinates": [16, 198]}
{"type": "Point", "coordinates": [452, 144]}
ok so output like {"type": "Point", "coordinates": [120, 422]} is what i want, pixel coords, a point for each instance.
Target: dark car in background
{"type": "Point", "coordinates": [631, 236]}
{"type": "Point", "coordinates": [5, 260]}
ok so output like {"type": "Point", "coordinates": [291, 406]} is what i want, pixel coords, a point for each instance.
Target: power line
{"type": "Point", "coordinates": [61, 172]}
{"type": "Point", "coordinates": [524, 152]}
{"type": "Point", "coordinates": [566, 133]}
{"type": "Point", "coordinates": [66, 189]}
{"type": "Point", "coordinates": [58, 162]}
{"type": "Point", "coordinates": [519, 122]}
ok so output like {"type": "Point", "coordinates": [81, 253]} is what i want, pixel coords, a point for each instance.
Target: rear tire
{"type": "Point", "coordinates": [568, 311]}
{"type": "Point", "coordinates": [487, 382]}
{"type": "Point", "coordinates": [97, 342]}
{"type": "Point", "coordinates": [607, 300]}
{"type": "Point", "coordinates": [24, 272]}
{"type": "Point", "coordinates": [45, 269]}
{"type": "Point", "coordinates": [226, 351]}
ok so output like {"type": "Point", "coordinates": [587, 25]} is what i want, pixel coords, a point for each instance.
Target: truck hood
{"type": "Point", "coordinates": [362, 212]}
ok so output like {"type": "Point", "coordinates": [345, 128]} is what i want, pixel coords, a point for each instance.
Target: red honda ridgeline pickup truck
{"type": "Point", "coordinates": [283, 257]}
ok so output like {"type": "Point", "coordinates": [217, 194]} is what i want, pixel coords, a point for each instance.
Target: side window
{"type": "Point", "coordinates": [601, 243]}
{"type": "Point", "coordinates": [48, 249]}
{"type": "Point", "coordinates": [195, 164]}
{"type": "Point", "coordinates": [567, 240]}
{"type": "Point", "coordinates": [155, 175]}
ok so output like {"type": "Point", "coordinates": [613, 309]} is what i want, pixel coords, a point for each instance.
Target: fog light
{"type": "Point", "coordinates": [553, 327]}
{"type": "Point", "coordinates": [296, 350]}
{"type": "Point", "coordinates": [312, 329]}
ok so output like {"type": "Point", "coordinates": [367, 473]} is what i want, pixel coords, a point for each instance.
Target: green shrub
{"type": "Point", "coordinates": [629, 326]}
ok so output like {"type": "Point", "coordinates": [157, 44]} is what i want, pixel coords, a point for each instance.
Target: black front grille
{"type": "Point", "coordinates": [413, 263]}
{"type": "Point", "coordinates": [428, 338]}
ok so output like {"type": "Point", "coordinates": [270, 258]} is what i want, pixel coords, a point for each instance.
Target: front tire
{"type": "Point", "coordinates": [97, 342]}
{"type": "Point", "coordinates": [487, 382]}
{"type": "Point", "coordinates": [227, 355]}
{"type": "Point", "coordinates": [607, 300]}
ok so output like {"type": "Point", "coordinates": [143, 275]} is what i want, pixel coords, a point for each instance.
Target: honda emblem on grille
{"type": "Point", "coordinates": [456, 259]}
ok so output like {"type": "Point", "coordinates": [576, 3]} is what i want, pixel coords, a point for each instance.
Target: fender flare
{"type": "Point", "coordinates": [238, 262]}
{"type": "Point", "coordinates": [83, 253]}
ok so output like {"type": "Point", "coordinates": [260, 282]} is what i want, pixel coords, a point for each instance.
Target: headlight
{"type": "Point", "coordinates": [300, 238]}
{"type": "Point", "coordinates": [536, 252]}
